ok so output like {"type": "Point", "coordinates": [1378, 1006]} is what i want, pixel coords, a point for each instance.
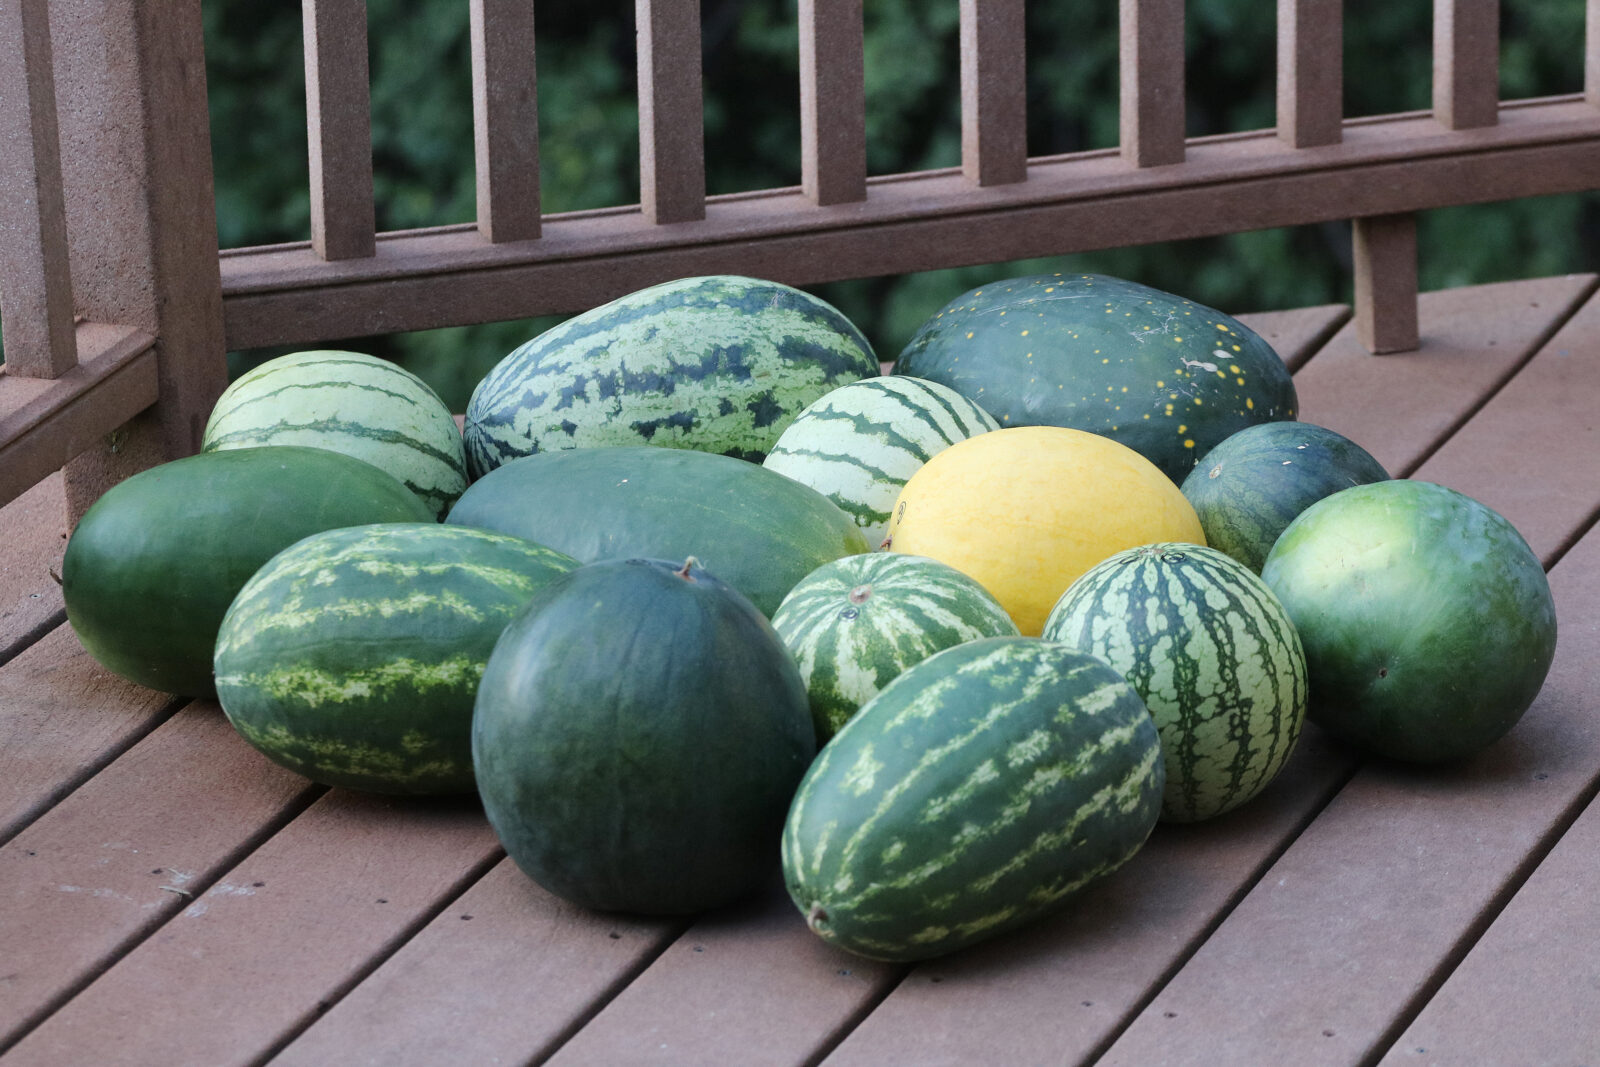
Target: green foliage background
{"type": "Point", "coordinates": [422, 138]}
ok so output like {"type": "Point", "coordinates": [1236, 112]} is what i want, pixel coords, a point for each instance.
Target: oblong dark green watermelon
{"type": "Point", "coordinates": [978, 791]}
{"type": "Point", "coordinates": [1165, 376]}
{"type": "Point", "coordinates": [638, 734]}
{"type": "Point", "coordinates": [353, 656]}
{"type": "Point", "coordinates": [755, 529]}
{"type": "Point", "coordinates": [720, 364]}
{"type": "Point", "coordinates": [153, 565]}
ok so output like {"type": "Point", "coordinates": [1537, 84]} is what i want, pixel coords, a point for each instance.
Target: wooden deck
{"type": "Point", "coordinates": [168, 896]}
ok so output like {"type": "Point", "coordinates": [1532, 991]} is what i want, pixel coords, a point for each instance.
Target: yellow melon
{"type": "Point", "coordinates": [1026, 510]}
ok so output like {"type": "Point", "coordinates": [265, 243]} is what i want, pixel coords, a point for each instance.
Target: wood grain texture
{"type": "Point", "coordinates": [339, 128]}
{"type": "Point", "coordinates": [1152, 92]}
{"type": "Point", "coordinates": [1297, 333]}
{"type": "Point", "coordinates": [994, 92]}
{"type": "Point", "coordinates": [1310, 72]}
{"type": "Point", "coordinates": [1466, 63]}
{"type": "Point", "coordinates": [833, 105]}
{"type": "Point", "coordinates": [1384, 251]}
{"type": "Point", "coordinates": [505, 119]}
{"type": "Point", "coordinates": [672, 156]}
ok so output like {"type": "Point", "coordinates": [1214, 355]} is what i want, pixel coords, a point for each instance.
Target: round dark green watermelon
{"type": "Point", "coordinates": [753, 528]}
{"type": "Point", "coordinates": [1252, 485]}
{"type": "Point", "coordinates": [638, 734]}
{"type": "Point", "coordinates": [1165, 376]}
{"type": "Point", "coordinates": [720, 364]}
{"type": "Point", "coordinates": [1427, 621]}
{"type": "Point", "coordinates": [153, 565]}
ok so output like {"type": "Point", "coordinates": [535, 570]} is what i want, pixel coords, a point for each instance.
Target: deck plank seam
{"type": "Point", "coordinates": [32, 636]}
{"type": "Point", "coordinates": [847, 1026]}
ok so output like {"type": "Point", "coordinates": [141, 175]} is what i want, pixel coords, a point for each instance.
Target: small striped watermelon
{"type": "Point", "coordinates": [352, 403]}
{"type": "Point", "coordinates": [1214, 656]}
{"type": "Point", "coordinates": [353, 657]}
{"type": "Point", "coordinates": [857, 623]}
{"type": "Point", "coordinates": [719, 364]}
{"type": "Point", "coordinates": [977, 792]}
{"type": "Point", "coordinates": [859, 444]}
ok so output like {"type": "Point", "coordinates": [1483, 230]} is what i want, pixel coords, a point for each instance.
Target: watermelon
{"type": "Point", "coordinates": [352, 403]}
{"type": "Point", "coordinates": [855, 624]}
{"type": "Point", "coordinates": [755, 529]}
{"type": "Point", "coordinates": [720, 364]}
{"type": "Point", "coordinates": [858, 444]}
{"type": "Point", "coordinates": [353, 656]}
{"type": "Point", "coordinates": [978, 791]}
{"type": "Point", "coordinates": [1248, 488]}
{"type": "Point", "coordinates": [1212, 653]}
{"type": "Point", "coordinates": [1163, 375]}
{"type": "Point", "coordinates": [1427, 620]}
{"type": "Point", "coordinates": [153, 565]}
{"type": "Point", "coordinates": [638, 734]}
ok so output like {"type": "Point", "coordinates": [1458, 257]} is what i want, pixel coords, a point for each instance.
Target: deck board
{"type": "Point", "coordinates": [35, 526]}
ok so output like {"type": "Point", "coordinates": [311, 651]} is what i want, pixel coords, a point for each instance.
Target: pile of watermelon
{"type": "Point", "coordinates": [695, 592]}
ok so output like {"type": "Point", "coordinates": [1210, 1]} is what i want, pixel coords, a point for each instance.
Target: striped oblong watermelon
{"type": "Point", "coordinates": [1212, 653]}
{"type": "Point", "coordinates": [860, 443]}
{"type": "Point", "coordinates": [718, 364]}
{"type": "Point", "coordinates": [857, 623]}
{"type": "Point", "coordinates": [352, 403]}
{"type": "Point", "coordinates": [977, 792]}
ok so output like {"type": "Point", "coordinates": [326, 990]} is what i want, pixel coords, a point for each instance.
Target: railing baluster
{"type": "Point", "coordinates": [339, 125]}
{"type": "Point", "coordinates": [35, 279]}
{"type": "Point", "coordinates": [833, 102]}
{"type": "Point", "coordinates": [1385, 254]}
{"type": "Point", "coordinates": [994, 141]}
{"type": "Point", "coordinates": [1591, 52]}
{"type": "Point", "coordinates": [505, 117]}
{"type": "Point", "coordinates": [672, 156]}
{"type": "Point", "coordinates": [1310, 72]}
{"type": "Point", "coordinates": [1152, 81]}
{"type": "Point", "coordinates": [1466, 63]}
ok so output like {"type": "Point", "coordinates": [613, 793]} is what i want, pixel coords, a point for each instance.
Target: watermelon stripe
{"type": "Point", "coordinates": [334, 428]}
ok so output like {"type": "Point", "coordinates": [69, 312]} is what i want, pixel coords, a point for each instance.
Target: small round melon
{"type": "Point", "coordinates": [1026, 510]}
{"type": "Point", "coordinates": [352, 403]}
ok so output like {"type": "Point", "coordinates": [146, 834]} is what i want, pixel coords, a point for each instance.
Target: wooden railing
{"type": "Point", "coordinates": [999, 204]}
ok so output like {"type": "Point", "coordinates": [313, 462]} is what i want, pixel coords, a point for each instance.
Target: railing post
{"type": "Point", "coordinates": [672, 127]}
{"type": "Point", "coordinates": [833, 102]}
{"type": "Point", "coordinates": [1385, 254]}
{"type": "Point", "coordinates": [505, 118]}
{"type": "Point", "coordinates": [1310, 72]}
{"type": "Point", "coordinates": [339, 128]}
{"type": "Point", "coordinates": [1466, 63]}
{"type": "Point", "coordinates": [994, 128]}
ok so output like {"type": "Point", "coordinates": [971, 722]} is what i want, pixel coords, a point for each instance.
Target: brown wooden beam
{"type": "Point", "coordinates": [1151, 37]}
{"type": "Point", "coordinates": [833, 104]}
{"type": "Point", "coordinates": [1310, 72]}
{"type": "Point", "coordinates": [994, 92]}
{"type": "Point", "coordinates": [339, 128]}
{"type": "Point", "coordinates": [1385, 256]}
{"type": "Point", "coordinates": [1466, 62]}
{"type": "Point", "coordinates": [672, 154]}
{"type": "Point", "coordinates": [505, 118]}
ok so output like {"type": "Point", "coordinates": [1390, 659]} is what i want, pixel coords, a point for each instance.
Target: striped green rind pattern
{"type": "Point", "coordinates": [1212, 653]}
{"type": "Point", "coordinates": [858, 444]}
{"type": "Point", "coordinates": [857, 623]}
{"type": "Point", "coordinates": [977, 792]}
{"type": "Point", "coordinates": [720, 364]}
{"type": "Point", "coordinates": [353, 656]}
{"type": "Point", "coordinates": [352, 403]}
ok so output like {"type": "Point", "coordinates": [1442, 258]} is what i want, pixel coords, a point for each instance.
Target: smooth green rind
{"type": "Point", "coordinates": [977, 792]}
{"type": "Point", "coordinates": [1249, 488]}
{"type": "Point", "coordinates": [353, 657]}
{"type": "Point", "coordinates": [753, 528]}
{"type": "Point", "coordinates": [153, 565]}
{"type": "Point", "coordinates": [638, 735]}
{"type": "Point", "coordinates": [1212, 653]}
{"type": "Point", "coordinates": [857, 623]}
{"type": "Point", "coordinates": [352, 403]}
{"type": "Point", "coordinates": [720, 364]}
{"type": "Point", "coordinates": [859, 444]}
{"type": "Point", "coordinates": [1427, 620]}
{"type": "Point", "coordinates": [1163, 375]}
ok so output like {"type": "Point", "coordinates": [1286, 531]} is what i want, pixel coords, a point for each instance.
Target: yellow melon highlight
{"type": "Point", "coordinates": [1026, 510]}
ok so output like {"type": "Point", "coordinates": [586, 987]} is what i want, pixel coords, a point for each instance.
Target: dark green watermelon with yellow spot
{"type": "Point", "coordinates": [1165, 376]}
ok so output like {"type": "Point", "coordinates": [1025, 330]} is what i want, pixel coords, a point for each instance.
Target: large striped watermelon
{"type": "Point", "coordinates": [1214, 656]}
{"type": "Point", "coordinates": [720, 364]}
{"type": "Point", "coordinates": [859, 444]}
{"type": "Point", "coordinates": [856, 624]}
{"type": "Point", "coordinates": [978, 791]}
{"type": "Point", "coordinates": [352, 403]}
{"type": "Point", "coordinates": [353, 657]}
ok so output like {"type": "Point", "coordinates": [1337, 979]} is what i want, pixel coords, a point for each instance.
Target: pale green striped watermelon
{"type": "Point", "coordinates": [718, 364]}
{"type": "Point", "coordinates": [978, 791]}
{"type": "Point", "coordinates": [352, 403]}
{"type": "Point", "coordinates": [860, 443]}
{"type": "Point", "coordinates": [353, 657]}
{"type": "Point", "coordinates": [1213, 654]}
{"type": "Point", "coordinates": [857, 623]}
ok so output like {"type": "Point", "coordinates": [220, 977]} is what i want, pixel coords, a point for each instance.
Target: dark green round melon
{"type": "Point", "coordinates": [153, 565]}
{"type": "Point", "coordinates": [753, 528]}
{"type": "Point", "coordinates": [1165, 376]}
{"type": "Point", "coordinates": [720, 363]}
{"type": "Point", "coordinates": [638, 735]}
{"type": "Point", "coordinates": [1253, 484]}
{"type": "Point", "coordinates": [353, 656]}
